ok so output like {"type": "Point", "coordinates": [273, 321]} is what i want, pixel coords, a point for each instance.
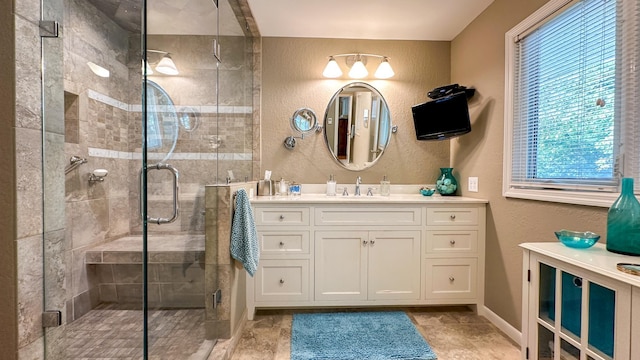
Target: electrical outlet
{"type": "Point", "coordinates": [473, 184]}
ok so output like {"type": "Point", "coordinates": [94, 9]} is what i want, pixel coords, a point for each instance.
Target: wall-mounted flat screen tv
{"type": "Point", "coordinates": [443, 118]}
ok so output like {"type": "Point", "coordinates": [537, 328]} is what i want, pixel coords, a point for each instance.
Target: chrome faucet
{"type": "Point", "coordinates": [358, 181]}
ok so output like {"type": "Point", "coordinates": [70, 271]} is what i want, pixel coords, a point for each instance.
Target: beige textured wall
{"type": "Point", "coordinates": [8, 296]}
{"type": "Point", "coordinates": [477, 59]}
{"type": "Point", "coordinates": [292, 78]}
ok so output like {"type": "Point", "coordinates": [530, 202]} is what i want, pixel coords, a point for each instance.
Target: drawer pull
{"type": "Point", "coordinates": [452, 242]}
{"type": "Point", "coordinates": [281, 217]}
{"type": "Point", "coordinates": [452, 279]}
{"type": "Point", "coordinates": [281, 243]}
{"type": "Point", "coordinates": [281, 281]}
{"type": "Point", "coordinates": [364, 242]}
{"type": "Point", "coordinates": [453, 216]}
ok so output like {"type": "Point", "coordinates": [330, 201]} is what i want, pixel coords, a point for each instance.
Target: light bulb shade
{"type": "Point", "coordinates": [358, 70]}
{"type": "Point", "coordinates": [332, 70]}
{"type": "Point", "coordinates": [384, 70]}
{"type": "Point", "coordinates": [98, 70]}
{"type": "Point", "coordinates": [166, 66]}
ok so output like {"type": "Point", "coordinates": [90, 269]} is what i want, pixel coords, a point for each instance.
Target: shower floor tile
{"type": "Point", "coordinates": [110, 333]}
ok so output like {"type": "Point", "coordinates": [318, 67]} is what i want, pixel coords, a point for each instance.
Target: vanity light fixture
{"type": "Point", "coordinates": [165, 65]}
{"type": "Point", "coordinates": [358, 70]}
{"type": "Point", "coordinates": [332, 70]}
{"type": "Point", "coordinates": [358, 62]}
{"type": "Point", "coordinates": [384, 70]}
{"type": "Point", "coordinates": [98, 70]}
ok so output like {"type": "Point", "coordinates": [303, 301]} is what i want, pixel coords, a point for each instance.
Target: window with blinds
{"type": "Point", "coordinates": [571, 104]}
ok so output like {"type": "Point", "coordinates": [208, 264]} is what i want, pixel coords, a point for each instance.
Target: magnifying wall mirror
{"type": "Point", "coordinates": [357, 126]}
{"type": "Point", "coordinates": [304, 121]}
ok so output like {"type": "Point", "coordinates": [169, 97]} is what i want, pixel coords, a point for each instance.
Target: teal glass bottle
{"type": "Point", "coordinates": [446, 183]}
{"type": "Point", "coordinates": [623, 222]}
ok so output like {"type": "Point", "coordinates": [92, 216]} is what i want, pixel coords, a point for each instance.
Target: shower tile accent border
{"type": "Point", "coordinates": [125, 155]}
{"type": "Point", "coordinates": [203, 109]}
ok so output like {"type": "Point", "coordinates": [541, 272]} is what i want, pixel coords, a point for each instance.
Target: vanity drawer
{"type": "Point", "coordinates": [451, 241]}
{"type": "Point", "coordinates": [281, 216]}
{"type": "Point", "coordinates": [451, 278]}
{"type": "Point", "coordinates": [368, 216]}
{"type": "Point", "coordinates": [286, 243]}
{"type": "Point", "coordinates": [452, 216]}
{"type": "Point", "coordinates": [282, 280]}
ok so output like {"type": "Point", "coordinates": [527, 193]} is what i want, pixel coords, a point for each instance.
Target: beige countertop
{"type": "Point", "coordinates": [400, 194]}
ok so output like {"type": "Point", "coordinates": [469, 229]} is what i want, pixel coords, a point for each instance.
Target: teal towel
{"type": "Point", "coordinates": [244, 239]}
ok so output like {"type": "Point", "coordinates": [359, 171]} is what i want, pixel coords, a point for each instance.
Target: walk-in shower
{"type": "Point", "coordinates": [129, 272]}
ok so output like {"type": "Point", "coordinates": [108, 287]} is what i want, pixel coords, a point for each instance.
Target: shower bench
{"type": "Point", "coordinates": [175, 272]}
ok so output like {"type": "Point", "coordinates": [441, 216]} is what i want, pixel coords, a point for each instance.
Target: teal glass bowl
{"type": "Point", "coordinates": [577, 239]}
{"type": "Point", "coordinates": [427, 192]}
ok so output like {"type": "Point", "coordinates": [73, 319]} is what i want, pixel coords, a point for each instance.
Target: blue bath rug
{"type": "Point", "coordinates": [357, 336]}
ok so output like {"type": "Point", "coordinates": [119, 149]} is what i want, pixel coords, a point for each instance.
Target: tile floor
{"type": "Point", "coordinates": [108, 333]}
{"type": "Point", "coordinates": [454, 333]}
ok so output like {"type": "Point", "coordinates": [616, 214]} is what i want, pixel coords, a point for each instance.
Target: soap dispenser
{"type": "Point", "coordinates": [385, 186]}
{"type": "Point", "coordinates": [331, 186]}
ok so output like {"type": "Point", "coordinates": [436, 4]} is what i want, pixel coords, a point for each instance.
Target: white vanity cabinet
{"type": "Point", "coordinates": [336, 252]}
{"type": "Point", "coordinates": [284, 269]}
{"type": "Point", "coordinates": [577, 305]}
{"type": "Point", "coordinates": [367, 265]}
{"type": "Point", "coordinates": [453, 237]}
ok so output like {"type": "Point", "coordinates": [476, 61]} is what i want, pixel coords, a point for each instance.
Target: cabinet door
{"type": "Point", "coordinates": [394, 265]}
{"type": "Point", "coordinates": [576, 313]}
{"type": "Point", "coordinates": [341, 265]}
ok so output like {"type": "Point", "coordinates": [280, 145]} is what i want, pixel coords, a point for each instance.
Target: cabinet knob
{"type": "Point", "coordinates": [373, 242]}
{"type": "Point", "coordinates": [281, 217]}
{"type": "Point", "coordinates": [452, 279]}
{"type": "Point", "coordinates": [281, 281]}
{"type": "Point", "coordinates": [452, 242]}
{"type": "Point", "coordinates": [453, 216]}
{"type": "Point", "coordinates": [364, 242]}
{"type": "Point", "coordinates": [281, 243]}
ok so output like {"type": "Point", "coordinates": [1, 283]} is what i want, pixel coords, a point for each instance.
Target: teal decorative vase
{"type": "Point", "coordinates": [623, 222]}
{"type": "Point", "coordinates": [446, 183]}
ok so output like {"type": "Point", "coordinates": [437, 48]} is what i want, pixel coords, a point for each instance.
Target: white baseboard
{"type": "Point", "coordinates": [504, 326]}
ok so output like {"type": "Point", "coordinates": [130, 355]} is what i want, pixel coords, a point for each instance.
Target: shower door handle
{"type": "Point", "coordinates": [175, 174]}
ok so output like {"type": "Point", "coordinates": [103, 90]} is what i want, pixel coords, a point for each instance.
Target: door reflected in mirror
{"type": "Point", "coordinates": [357, 125]}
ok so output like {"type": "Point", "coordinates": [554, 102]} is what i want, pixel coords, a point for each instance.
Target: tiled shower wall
{"type": "Point", "coordinates": [95, 211]}
{"type": "Point", "coordinates": [103, 124]}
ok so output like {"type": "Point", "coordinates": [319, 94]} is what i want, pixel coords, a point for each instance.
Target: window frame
{"type": "Point", "coordinates": [600, 196]}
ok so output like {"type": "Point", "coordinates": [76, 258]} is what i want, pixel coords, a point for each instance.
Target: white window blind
{"type": "Point", "coordinates": [571, 97]}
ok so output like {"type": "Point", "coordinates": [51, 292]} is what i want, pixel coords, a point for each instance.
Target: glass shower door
{"type": "Point", "coordinates": [125, 131]}
{"type": "Point", "coordinates": [181, 74]}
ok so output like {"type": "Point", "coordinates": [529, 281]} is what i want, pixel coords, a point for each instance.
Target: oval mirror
{"type": "Point", "coordinates": [304, 121]}
{"type": "Point", "coordinates": [162, 123]}
{"type": "Point", "coordinates": [357, 126]}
